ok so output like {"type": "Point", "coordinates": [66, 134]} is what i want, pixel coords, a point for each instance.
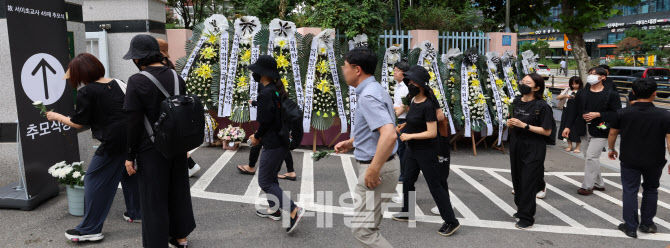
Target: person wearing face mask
{"type": "Point", "coordinates": [595, 108]}
{"type": "Point", "coordinates": [420, 132]}
{"type": "Point", "coordinates": [531, 121]}
{"type": "Point", "coordinates": [165, 195]}
{"type": "Point", "coordinates": [275, 150]}
{"type": "Point", "coordinates": [400, 110]}
{"type": "Point", "coordinates": [567, 104]}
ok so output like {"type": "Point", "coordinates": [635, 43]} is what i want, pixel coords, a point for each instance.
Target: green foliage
{"type": "Point", "coordinates": [578, 17]}
{"type": "Point", "coordinates": [651, 39]}
{"type": "Point", "coordinates": [540, 47]}
{"type": "Point", "coordinates": [443, 18]}
{"type": "Point", "coordinates": [265, 10]}
{"type": "Point", "coordinates": [526, 13]}
{"type": "Point", "coordinates": [628, 45]}
{"type": "Point", "coordinates": [350, 17]}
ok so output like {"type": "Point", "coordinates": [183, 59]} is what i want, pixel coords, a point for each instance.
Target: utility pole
{"type": "Point", "coordinates": [507, 29]}
{"type": "Point", "coordinates": [397, 14]}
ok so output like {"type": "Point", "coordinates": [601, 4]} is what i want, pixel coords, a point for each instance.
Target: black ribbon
{"type": "Point", "coordinates": [216, 26]}
{"type": "Point", "coordinates": [284, 27]}
{"type": "Point", "coordinates": [247, 26]}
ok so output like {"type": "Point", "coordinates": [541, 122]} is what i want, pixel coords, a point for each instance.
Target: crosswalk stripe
{"type": "Point", "coordinates": [213, 170]}
{"type": "Point", "coordinates": [612, 199]}
{"type": "Point", "coordinates": [565, 218]}
{"type": "Point", "coordinates": [307, 184]}
{"type": "Point", "coordinates": [417, 209]}
{"type": "Point", "coordinates": [494, 198]}
{"type": "Point", "coordinates": [461, 208]}
{"type": "Point", "coordinates": [350, 174]}
{"type": "Point", "coordinates": [618, 186]}
{"type": "Point", "coordinates": [254, 189]}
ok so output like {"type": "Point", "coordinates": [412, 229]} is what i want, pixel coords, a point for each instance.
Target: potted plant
{"type": "Point", "coordinates": [231, 136]}
{"type": "Point", "coordinates": [72, 176]}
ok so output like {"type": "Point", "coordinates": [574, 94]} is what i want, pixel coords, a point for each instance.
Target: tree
{"type": "Point", "coordinates": [351, 17]}
{"type": "Point", "coordinates": [579, 17]}
{"type": "Point", "coordinates": [183, 9]}
{"type": "Point", "coordinates": [525, 13]}
{"type": "Point", "coordinates": [540, 48]}
{"type": "Point", "coordinates": [265, 10]}
{"type": "Point", "coordinates": [628, 45]}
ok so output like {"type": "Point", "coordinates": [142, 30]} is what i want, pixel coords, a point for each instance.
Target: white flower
{"type": "Point", "coordinates": [76, 174]}
{"type": "Point", "coordinates": [61, 173]}
{"type": "Point", "coordinates": [37, 103]}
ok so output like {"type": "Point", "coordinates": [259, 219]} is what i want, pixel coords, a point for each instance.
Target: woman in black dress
{"type": "Point", "coordinates": [420, 133]}
{"type": "Point", "coordinates": [531, 122]}
{"type": "Point", "coordinates": [576, 84]}
{"type": "Point", "coordinates": [100, 106]}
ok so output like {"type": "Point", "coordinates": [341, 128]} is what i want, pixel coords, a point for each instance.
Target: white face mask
{"type": "Point", "coordinates": [593, 79]}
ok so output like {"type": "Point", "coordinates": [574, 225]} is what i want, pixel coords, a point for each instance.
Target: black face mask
{"type": "Point", "coordinates": [524, 89]}
{"type": "Point", "coordinates": [138, 66]}
{"type": "Point", "coordinates": [413, 90]}
{"type": "Point", "coordinates": [257, 77]}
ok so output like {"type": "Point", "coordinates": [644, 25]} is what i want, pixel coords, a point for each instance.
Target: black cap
{"type": "Point", "coordinates": [265, 65]}
{"type": "Point", "coordinates": [141, 46]}
{"type": "Point", "coordinates": [418, 75]}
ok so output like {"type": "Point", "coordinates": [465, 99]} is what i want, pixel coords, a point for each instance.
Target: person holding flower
{"type": "Point", "coordinates": [100, 106]}
{"type": "Point", "coordinates": [420, 133]}
{"type": "Point", "coordinates": [567, 104]}
{"type": "Point", "coordinates": [531, 122]}
{"type": "Point", "coordinates": [400, 107]}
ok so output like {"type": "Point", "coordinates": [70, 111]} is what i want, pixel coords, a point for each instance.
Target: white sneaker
{"type": "Point", "coordinates": [192, 171]}
{"type": "Point", "coordinates": [435, 210]}
{"type": "Point", "coordinates": [512, 192]}
{"type": "Point", "coordinates": [397, 199]}
{"type": "Point", "coordinates": [541, 194]}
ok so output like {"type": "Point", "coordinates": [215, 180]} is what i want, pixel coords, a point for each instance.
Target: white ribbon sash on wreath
{"type": "Point", "coordinates": [271, 43]}
{"type": "Point", "coordinates": [487, 116]}
{"type": "Point", "coordinates": [524, 62]}
{"type": "Point", "coordinates": [309, 87]}
{"type": "Point", "coordinates": [338, 90]}
{"type": "Point", "coordinates": [353, 99]}
{"type": "Point", "coordinates": [499, 109]}
{"type": "Point", "coordinates": [296, 72]}
{"type": "Point", "coordinates": [223, 65]}
{"type": "Point", "coordinates": [464, 100]}
{"type": "Point", "coordinates": [232, 69]}
{"type": "Point", "coordinates": [253, 85]}
{"type": "Point", "coordinates": [445, 109]}
{"type": "Point", "coordinates": [506, 68]}
{"type": "Point", "coordinates": [191, 58]}
{"type": "Point", "coordinates": [209, 128]}
{"type": "Point", "coordinates": [385, 78]}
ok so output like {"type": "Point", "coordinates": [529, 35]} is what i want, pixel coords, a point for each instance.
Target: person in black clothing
{"type": "Point", "coordinates": [100, 106]}
{"type": "Point", "coordinates": [645, 132]}
{"type": "Point", "coordinates": [420, 133]}
{"type": "Point", "coordinates": [595, 109]}
{"type": "Point", "coordinates": [274, 148]}
{"type": "Point", "coordinates": [255, 152]}
{"type": "Point", "coordinates": [164, 186]}
{"type": "Point", "coordinates": [531, 121]}
{"type": "Point", "coordinates": [608, 80]}
{"type": "Point", "coordinates": [193, 167]}
{"type": "Point", "coordinates": [575, 84]}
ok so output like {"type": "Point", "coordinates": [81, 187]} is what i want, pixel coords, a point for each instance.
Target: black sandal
{"type": "Point", "coordinates": [284, 176]}
{"type": "Point", "coordinates": [244, 171]}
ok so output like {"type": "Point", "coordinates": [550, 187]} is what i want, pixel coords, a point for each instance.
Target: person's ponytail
{"type": "Point", "coordinates": [280, 89]}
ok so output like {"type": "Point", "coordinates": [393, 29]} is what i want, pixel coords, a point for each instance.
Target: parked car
{"type": "Point", "coordinates": [544, 71]}
{"type": "Point", "coordinates": [623, 77]}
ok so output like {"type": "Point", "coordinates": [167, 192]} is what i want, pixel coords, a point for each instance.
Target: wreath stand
{"type": "Point", "coordinates": [502, 143]}
{"type": "Point", "coordinates": [474, 144]}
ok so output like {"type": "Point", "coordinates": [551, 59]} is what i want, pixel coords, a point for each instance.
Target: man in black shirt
{"type": "Point", "coordinates": [595, 109]}
{"type": "Point", "coordinates": [642, 128]}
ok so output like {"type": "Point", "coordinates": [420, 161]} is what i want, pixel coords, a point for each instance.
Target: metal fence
{"type": "Point", "coordinates": [401, 37]}
{"type": "Point", "coordinates": [463, 41]}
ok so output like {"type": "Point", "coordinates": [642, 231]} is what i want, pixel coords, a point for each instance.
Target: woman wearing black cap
{"type": "Point", "coordinates": [164, 186]}
{"type": "Point", "coordinates": [531, 122]}
{"type": "Point", "coordinates": [421, 154]}
{"type": "Point", "coordinates": [270, 97]}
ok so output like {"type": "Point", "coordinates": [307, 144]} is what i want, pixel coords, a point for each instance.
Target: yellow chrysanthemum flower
{"type": "Point", "coordinates": [499, 82]}
{"type": "Point", "coordinates": [426, 62]}
{"type": "Point", "coordinates": [452, 79]}
{"type": "Point", "coordinates": [318, 113]}
{"type": "Point", "coordinates": [246, 56]}
{"type": "Point", "coordinates": [242, 81]}
{"type": "Point", "coordinates": [282, 62]}
{"type": "Point", "coordinates": [285, 82]}
{"type": "Point", "coordinates": [281, 43]}
{"type": "Point", "coordinates": [474, 67]}
{"type": "Point", "coordinates": [475, 82]}
{"type": "Point", "coordinates": [451, 65]}
{"type": "Point", "coordinates": [505, 100]}
{"type": "Point", "coordinates": [432, 75]}
{"type": "Point", "coordinates": [323, 50]}
{"type": "Point", "coordinates": [204, 71]}
{"type": "Point", "coordinates": [208, 53]}
{"type": "Point", "coordinates": [324, 86]}
{"type": "Point", "coordinates": [323, 67]}
{"type": "Point", "coordinates": [437, 94]}
{"type": "Point", "coordinates": [211, 38]}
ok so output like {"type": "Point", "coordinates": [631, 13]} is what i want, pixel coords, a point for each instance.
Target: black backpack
{"type": "Point", "coordinates": [551, 139]}
{"type": "Point", "coordinates": [181, 124]}
{"type": "Point", "coordinates": [291, 131]}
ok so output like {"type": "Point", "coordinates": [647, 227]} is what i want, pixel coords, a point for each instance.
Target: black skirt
{"type": "Point", "coordinates": [573, 137]}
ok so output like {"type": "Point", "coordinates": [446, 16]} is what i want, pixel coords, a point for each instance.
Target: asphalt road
{"type": "Point", "coordinates": [223, 204]}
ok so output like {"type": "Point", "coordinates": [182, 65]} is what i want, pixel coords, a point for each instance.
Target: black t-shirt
{"type": "Point", "coordinates": [268, 117]}
{"type": "Point", "coordinates": [144, 98]}
{"type": "Point", "coordinates": [642, 128]}
{"type": "Point", "coordinates": [100, 106]}
{"type": "Point", "coordinates": [535, 113]}
{"type": "Point", "coordinates": [418, 115]}
{"type": "Point", "coordinates": [594, 100]}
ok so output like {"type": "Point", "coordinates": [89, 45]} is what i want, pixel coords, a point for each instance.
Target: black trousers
{"type": "Point", "coordinates": [427, 161]}
{"type": "Point", "coordinates": [527, 159]}
{"type": "Point", "coordinates": [255, 152]}
{"type": "Point", "coordinates": [165, 196]}
{"type": "Point", "coordinates": [630, 180]}
{"type": "Point", "coordinates": [267, 178]}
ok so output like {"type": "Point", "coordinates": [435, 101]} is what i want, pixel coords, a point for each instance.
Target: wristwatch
{"type": "Point", "coordinates": [611, 150]}
{"type": "Point", "coordinates": [527, 127]}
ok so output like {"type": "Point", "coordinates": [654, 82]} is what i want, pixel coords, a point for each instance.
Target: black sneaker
{"type": "Point", "coordinates": [128, 219]}
{"type": "Point", "coordinates": [448, 229]}
{"type": "Point", "coordinates": [76, 236]}
{"type": "Point", "coordinates": [400, 217]}
{"type": "Point", "coordinates": [522, 225]}
{"type": "Point", "coordinates": [632, 234]}
{"type": "Point", "coordinates": [264, 214]}
{"type": "Point", "coordinates": [516, 216]}
{"type": "Point", "coordinates": [172, 243]}
{"type": "Point", "coordinates": [294, 221]}
{"type": "Point", "coordinates": [648, 229]}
